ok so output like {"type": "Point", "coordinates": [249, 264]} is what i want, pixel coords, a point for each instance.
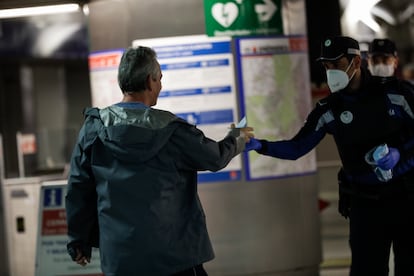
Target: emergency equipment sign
{"type": "Point", "coordinates": [243, 17]}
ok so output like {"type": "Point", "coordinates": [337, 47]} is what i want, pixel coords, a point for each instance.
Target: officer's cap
{"type": "Point", "coordinates": [384, 47]}
{"type": "Point", "coordinates": [334, 48]}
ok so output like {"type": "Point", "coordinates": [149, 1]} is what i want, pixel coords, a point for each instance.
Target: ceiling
{"type": "Point", "coordinates": [8, 4]}
{"type": "Point", "coordinates": [403, 10]}
{"type": "Point", "coordinates": [51, 36]}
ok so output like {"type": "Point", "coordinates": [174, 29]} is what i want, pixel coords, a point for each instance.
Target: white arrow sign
{"type": "Point", "coordinates": [265, 11]}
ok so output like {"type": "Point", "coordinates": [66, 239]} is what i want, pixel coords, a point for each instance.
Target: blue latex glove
{"type": "Point", "coordinates": [389, 160]}
{"type": "Point", "coordinates": [253, 144]}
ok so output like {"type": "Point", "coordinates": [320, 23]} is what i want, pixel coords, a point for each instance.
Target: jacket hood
{"type": "Point", "coordinates": [133, 135]}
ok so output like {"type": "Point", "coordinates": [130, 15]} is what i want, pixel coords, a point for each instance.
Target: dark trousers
{"type": "Point", "coordinates": [375, 227]}
{"type": "Point", "coordinates": [194, 271]}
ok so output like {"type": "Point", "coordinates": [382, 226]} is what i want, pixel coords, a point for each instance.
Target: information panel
{"type": "Point", "coordinates": [51, 255]}
{"type": "Point", "coordinates": [199, 86]}
{"type": "Point", "coordinates": [103, 67]}
{"type": "Point", "coordinates": [275, 97]}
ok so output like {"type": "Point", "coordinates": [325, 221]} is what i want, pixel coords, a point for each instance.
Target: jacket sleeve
{"type": "Point", "coordinates": [81, 198]}
{"type": "Point", "coordinates": [406, 163]}
{"type": "Point", "coordinates": [308, 137]}
{"type": "Point", "coordinates": [198, 152]}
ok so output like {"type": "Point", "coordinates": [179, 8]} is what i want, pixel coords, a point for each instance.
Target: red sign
{"type": "Point", "coordinates": [54, 222]}
{"type": "Point", "coordinates": [298, 44]}
{"type": "Point", "coordinates": [28, 143]}
{"type": "Point", "coordinates": [104, 60]}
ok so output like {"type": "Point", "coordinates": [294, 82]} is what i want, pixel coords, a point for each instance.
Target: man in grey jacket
{"type": "Point", "coordinates": [132, 188]}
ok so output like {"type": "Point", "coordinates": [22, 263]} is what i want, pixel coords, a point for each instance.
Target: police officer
{"type": "Point", "coordinates": [382, 57]}
{"type": "Point", "coordinates": [363, 113]}
{"type": "Point", "coordinates": [382, 64]}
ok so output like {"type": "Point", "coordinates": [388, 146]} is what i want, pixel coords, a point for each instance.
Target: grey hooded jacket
{"type": "Point", "coordinates": [134, 173]}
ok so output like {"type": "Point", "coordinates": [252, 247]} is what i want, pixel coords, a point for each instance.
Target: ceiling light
{"type": "Point", "coordinates": [40, 10]}
{"type": "Point", "coordinates": [360, 11]}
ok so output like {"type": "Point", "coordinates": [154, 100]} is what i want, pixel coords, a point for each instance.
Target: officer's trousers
{"type": "Point", "coordinates": [376, 226]}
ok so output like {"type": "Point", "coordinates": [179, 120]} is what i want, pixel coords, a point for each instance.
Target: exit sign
{"type": "Point", "coordinates": [243, 17]}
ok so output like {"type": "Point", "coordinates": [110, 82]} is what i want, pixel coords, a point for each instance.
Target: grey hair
{"type": "Point", "coordinates": [136, 65]}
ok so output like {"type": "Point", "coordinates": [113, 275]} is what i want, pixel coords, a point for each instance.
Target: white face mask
{"type": "Point", "coordinates": [338, 79]}
{"type": "Point", "coordinates": [381, 70]}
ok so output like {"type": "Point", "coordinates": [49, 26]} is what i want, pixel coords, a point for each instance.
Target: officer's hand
{"type": "Point", "coordinates": [389, 160]}
{"type": "Point", "coordinates": [253, 144]}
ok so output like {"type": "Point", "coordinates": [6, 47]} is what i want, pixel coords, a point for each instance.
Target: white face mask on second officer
{"type": "Point", "coordinates": [381, 70]}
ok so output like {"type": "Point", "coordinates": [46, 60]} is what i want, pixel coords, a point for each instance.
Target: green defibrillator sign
{"type": "Point", "coordinates": [243, 17]}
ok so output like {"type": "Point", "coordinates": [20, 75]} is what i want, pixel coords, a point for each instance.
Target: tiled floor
{"type": "Point", "coordinates": [334, 272]}
{"type": "Point", "coordinates": [335, 249]}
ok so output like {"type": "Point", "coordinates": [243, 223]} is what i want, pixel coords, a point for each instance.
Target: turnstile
{"type": "Point", "coordinates": [21, 207]}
